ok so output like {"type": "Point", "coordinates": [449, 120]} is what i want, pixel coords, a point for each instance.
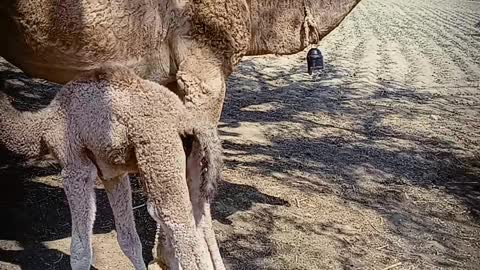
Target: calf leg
{"type": "Point", "coordinates": [181, 248]}
{"type": "Point", "coordinates": [79, 182]}
{"type": "Point", "coordinates": [120, 197]}
{"type": "Point", "coordinates": [203, 219]}
{"type": "Point", "coordinates": [209, 235]}
{"type": "Point", "coordinates": [162, 167]}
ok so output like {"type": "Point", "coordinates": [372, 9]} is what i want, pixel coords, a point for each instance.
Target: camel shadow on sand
{"type": "Point", "coordinates": [431, 165]}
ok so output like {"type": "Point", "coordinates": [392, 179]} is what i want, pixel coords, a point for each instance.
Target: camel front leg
{"type": "Point", "coordinates": [79, 182]}
{"type": "Point", "coordinates": [120, 197]}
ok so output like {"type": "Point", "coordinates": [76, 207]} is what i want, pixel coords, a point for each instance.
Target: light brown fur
{"type": "Point", "coordinates": [289, 26]}
{"type": "Point", "coordinates": [191, 45]}
{"type": "Point", "coordinates": [108, 123]}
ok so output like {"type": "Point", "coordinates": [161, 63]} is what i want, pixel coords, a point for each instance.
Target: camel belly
{"type": "Point", "coordinates": [154, 67]}
{"type": "Point", "coordinates": [58, 40]}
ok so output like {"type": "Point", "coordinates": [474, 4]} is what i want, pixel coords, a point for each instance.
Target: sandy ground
{"type": "Point", "coordinates": [371, 164]}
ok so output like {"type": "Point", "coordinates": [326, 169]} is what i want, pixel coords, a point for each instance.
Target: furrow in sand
{"type": "Point", "coordinates": [450, 24]}
{"type": "Point", "coordinates": [472, 13]}
{"type": "Point", "coordinates": [340, 46]}
{"type": "Point", "coordinates": [366, 58]}
{"type": "Point", "coordinates": [428, 46]}
{"type": "Point", "coordinates": [342, 33]}
{"type": "Point", "coordinates": [455, 24]}
{"type": "Point", "coordinates": [418, 69]}
{"type": "Point", "coordinates": [446, 28]}
{"type": "Point", "coordinates": [381, 65]}
{"type": "Point", "coordinates": [447, 8]}
{"type": "Point", "coordinates": [460, 21]}
{"type": "Point", "coordinates": [417, 35]}
{"type": "Point", "coordinates": [343, 46]}
{"type": "Point", "coordinates": [452, 48]}
{"type": "Point", "coordinates": [443, 59]}
{"type": "Point", "coordinates": [357, 51]}
{"type": "Point", "coordinates": [403, 61]}
{"type": "Point", "coordinates": [353, 55]}
{"type": "Point", "coordinates": [400, 66]}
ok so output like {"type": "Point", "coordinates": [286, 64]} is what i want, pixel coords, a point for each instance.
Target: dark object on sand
{"type": "Point", "coordinates": [314, 60]}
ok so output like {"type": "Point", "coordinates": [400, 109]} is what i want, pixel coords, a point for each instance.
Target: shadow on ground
{"type": "Point", "coordinates": [36, 212]}
{"type": "Point", "coordinates": [33, 212]}
{"type": "Point", "coordinates": [401, 159]}
{"type": "Point", "coordinates": [432, 162]}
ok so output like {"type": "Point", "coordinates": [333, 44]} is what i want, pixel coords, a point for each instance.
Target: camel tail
{"type": "Point", "coordinates": [209, 148]}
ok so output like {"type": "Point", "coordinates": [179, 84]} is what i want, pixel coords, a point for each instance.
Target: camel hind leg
{"type": "Point", "coordinates": [120, 197]}
{"type": "Point", "coordinates": [79, 181]}
{"type": "Point", "coordinates": [162, 168]}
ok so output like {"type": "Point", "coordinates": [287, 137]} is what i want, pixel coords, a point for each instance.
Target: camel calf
{"type": "Point", "coordinates": [108, 123]}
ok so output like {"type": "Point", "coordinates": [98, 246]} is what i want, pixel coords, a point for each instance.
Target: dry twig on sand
{"type": "Point", "coordinates": [392, 266]}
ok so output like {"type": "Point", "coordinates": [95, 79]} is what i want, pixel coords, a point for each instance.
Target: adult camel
{"type": "Point", "coordinates": [190, 46]}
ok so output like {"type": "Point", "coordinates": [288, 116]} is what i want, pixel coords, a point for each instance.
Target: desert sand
{"type": "Point", "coordinates": [371, 164]}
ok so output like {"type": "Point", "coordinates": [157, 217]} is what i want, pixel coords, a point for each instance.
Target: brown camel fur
{"type": "Point", "coordinates": [108, 123]}
{"type": "Point", "coordinates": [191, 46]}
